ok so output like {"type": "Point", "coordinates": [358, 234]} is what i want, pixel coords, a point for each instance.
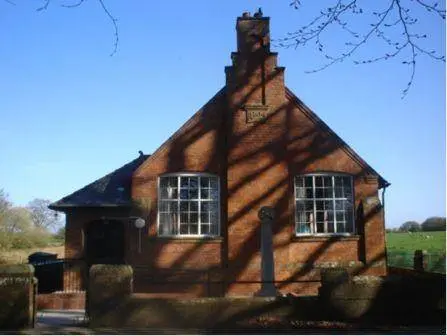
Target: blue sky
{"type": "Point", "coordinates": [70, 113]}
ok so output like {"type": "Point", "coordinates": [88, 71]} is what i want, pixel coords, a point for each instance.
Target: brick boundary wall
{"type": "Point", "coordinates": [398, 300]}
{"type": "Point", "coordinates": [61, 301]}
{"type": "Point", "coordinates": [18, 288]}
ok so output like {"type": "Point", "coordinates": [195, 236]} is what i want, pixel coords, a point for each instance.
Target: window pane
{"type": "Point", "coordinates": [308, 181]}
{"type": "Point", "coordinates": [300, 192]}
{"type": "Point", "coordinates": [193, 193]}
{"type": "Point", "coordinates": [347, 193]}
{"type": "Point", "coordinates": [338, 192]}
{"type": "Point", "coordinates": [318, 193]}
{"type": "Point", "coordinates": [173, 182]}
{"type": "Point", "coordinates": [204, 193]}
{"type": "Point", "coordinates": [164, 182]}
{"type": "Point", "coordinates": [338, 181]}
{"type": "Point", "coordinates": [330, 227]}
{"type": "Point", "coordinates": [184, 218]}
{"type": "Point", "coordinates": [204, 217]}
{"type": "Point", "coordinates": [304, 205]}
{"type": "Point", "coordinates": [341, 227]}
{"type": "Point", "coordinates": [168, 223]}
{"type": "Point", "coordinates": [163, 206]}
{"type": "Point", "coordinates": [318, 181]}
{"type": "Point", "coordinates": [299, 182]}
{"type": "Point", "coordinates": [320, 227]}
{"type": "Point", "coordinates": [213, 182]}
{"type": "Point", "coordinates": [214, 194]}
{"type": "Point", "coordinates": [184, 206]}
{"type": "Point", "coordinates": [205, 229]}
{"type": "Point", "coordinates": [328, 193]}
{"type": "Point", "coordinates": [304, 228]}
{"type": "Point", "coordinates": [309, 193]}
{"type": "Point", "coordinates": [194, 182]}
{"type": "Point", "coordinates": [184, 182]}
{"type": "Point", "coordinates": [184, 229]}
{"type": "Point", "coordinates": [193, 229]}
{"type": "Point", "coordinates": [205, 206]}
{"type": "Point", "coordinates": [213, 229]}
{"type": "Point", "coordinates": [214, 217]}
{"type": "Point", "coordinates": [349, 223]}
{"type": "Point", "coordinates": [194, 206]}
{"type": "Point", "coordinates": [340, 204]}
{"type": "Point", "coordinates": [320, 216]}
{"type": "Point", "coordinates": [340, 216]}
{"type": "Point", "coordinates": [347, 182]}
{"type": "Point", "coordinates": [327, 181]}
{"type": "Point", "coordinates": [163, 193]}
{"type": "Point", "coordinates": [204, 182]}
{"type": "Point", "coordinates": [193, 218]}
{"type": "Point", "coordinates": [184, 193]}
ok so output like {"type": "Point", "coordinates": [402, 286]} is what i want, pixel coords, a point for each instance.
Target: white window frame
{"type": "Point", "coordinates": [178, 176]}
{"type": "Point", "coordinates": [335, 233]}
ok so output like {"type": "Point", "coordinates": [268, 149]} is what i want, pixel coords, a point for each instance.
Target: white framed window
{"type": "Point", "coordinates": [324, 204]}
{"type": "Point", "coordinates": [188, 205]}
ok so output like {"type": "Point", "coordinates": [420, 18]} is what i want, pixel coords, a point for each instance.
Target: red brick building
{"type": "Point", "coordinates": [253, 144]}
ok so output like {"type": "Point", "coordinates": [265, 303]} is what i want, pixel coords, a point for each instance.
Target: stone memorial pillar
{"type": "Point", "coordinates": [267, 216]}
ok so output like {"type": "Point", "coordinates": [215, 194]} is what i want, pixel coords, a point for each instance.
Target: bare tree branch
{"type": "Point", "coordinates": [114, 20]}
{"type": "Point", "coordinates": [397, 18]}
{"type": "Point", "coordinates": [104, 8]}
{"type": "Point", "coordinates": [44, 7]}
{"type": "Point", "coordinates": [77, 4]}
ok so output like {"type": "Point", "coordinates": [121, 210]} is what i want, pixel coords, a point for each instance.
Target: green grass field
{"type": "Point", "coordinates": [404, 241]}
{"type": "Point", "coordinates": [401, 247]}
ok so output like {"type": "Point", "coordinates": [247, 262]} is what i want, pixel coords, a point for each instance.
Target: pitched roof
{"type": "Point", "coordinates": [112, 190]}
{"type": "Point", "coordinates": [311, 115]}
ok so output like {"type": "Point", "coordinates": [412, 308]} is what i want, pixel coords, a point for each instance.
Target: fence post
{"type": "Point", "coordinates": [420, 260]}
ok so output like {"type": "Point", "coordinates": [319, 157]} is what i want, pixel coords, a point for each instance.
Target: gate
{"type": "Point", "coordinates": [61, 283]}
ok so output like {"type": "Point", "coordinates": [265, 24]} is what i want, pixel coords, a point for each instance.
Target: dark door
{"type": "Point", "coordinates": [104, 242]}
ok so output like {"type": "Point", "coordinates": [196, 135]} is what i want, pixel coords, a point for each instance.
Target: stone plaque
{"type": "Point", "coordinates": [255, 113]}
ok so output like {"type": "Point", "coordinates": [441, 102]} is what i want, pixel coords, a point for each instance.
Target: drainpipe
{"type": "Point", "coordinates": [383, 218]}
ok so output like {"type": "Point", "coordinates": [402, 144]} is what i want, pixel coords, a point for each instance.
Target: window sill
{"type": "Point", "coordinates": [328, 237]}
{"type": "Point", "coordinates": [206, 240]}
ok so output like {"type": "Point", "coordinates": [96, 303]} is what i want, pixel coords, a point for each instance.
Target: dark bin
{"type": "Point", "coordinates": [39, 257]}
{"type": "Point", "coordinates": [48, 270]}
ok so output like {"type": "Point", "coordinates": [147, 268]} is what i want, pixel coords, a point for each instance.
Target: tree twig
{"type": "Point", "coordinates": [104, 8]}
{"type": "Point", "coordinates": [394, 16]}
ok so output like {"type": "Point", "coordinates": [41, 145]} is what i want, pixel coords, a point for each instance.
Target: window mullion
{"type": "Point", "coordinates": [351, 182]}
{"type": "Point", "coordinates": [314, 224]}
{"type": "Point", "coordinates": [179, 211]}
{"type": "Point", "coordinates": [199, 201]}
{"type": "Point", "coordinates": [333, 202]}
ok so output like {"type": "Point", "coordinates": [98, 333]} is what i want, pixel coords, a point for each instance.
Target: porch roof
{"type": "Point", "coordinates": [111, 190]}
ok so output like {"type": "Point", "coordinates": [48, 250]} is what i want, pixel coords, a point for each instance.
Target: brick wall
{"type": "Point", "coordinates": [256, 136]}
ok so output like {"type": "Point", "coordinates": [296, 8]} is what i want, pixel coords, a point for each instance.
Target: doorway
{"type": "Point", "coordinates": [104, 242]}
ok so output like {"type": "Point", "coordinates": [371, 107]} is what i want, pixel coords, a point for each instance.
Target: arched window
{"type": "Point", "coordinates": [324, 204]}
{"type": "Point", "coordinates": [188, 205]}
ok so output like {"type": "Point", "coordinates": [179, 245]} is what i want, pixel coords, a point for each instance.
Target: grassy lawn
{"type": "Point", "coordinates": [401, 247]}
{"type": "Point", "coordinates": [409, 242]}
{"type": "Point", "coordinates": [21, 256]}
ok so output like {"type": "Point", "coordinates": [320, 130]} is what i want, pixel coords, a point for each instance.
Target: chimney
{"type": "Point", "coordinates": [254, 77]}
{"type": "Point", "coordinates": [253, 33]}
